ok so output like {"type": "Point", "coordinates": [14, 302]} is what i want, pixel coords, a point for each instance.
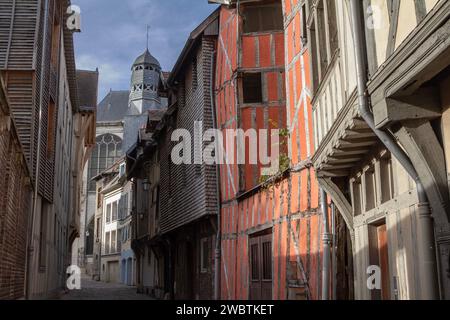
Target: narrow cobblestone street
{"type": "Point", "coordinates": [94, 290]}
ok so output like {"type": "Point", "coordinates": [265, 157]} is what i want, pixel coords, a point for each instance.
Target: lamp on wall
{"type": "Point", "coordinates": [146, 184]}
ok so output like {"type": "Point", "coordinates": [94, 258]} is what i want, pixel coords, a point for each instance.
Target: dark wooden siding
{"type": "Point", "coordinates": [14, 208]}
{"type": "Point", "coordinates": [31, 79]}
{"type": "Point", "coordinates": [181, 205]}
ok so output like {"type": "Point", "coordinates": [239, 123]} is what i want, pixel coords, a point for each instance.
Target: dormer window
{"type": "Point", "coordinates": [122, 170]}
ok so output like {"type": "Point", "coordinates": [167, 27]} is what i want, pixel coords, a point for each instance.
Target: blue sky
{"type": "Point", "coordinates": [114, 34]}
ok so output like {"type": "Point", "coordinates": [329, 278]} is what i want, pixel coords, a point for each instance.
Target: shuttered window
{"type": "Point", "coordinates": [51, 129]}
{"type": "Point", "coordinates": [260, 252]}
{"type": "Point", "coordinates": [115, 210]}
{"type": "Point", "coordinates": [108, 213]}
{"type": "Point", "coordinates": [267, 260]}
{"type": "Point", "coordinates": [254, 249]}
{"type": "Point", "coordinates": [263, 18]}
{"type": "Point", "coordinates": [107, 243]}
{"type": "Point", "coordinates": [323, 35]}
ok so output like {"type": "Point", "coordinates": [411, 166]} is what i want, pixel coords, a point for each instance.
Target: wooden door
{"type": "Point", "coordinates": [384, 261]}
{"type": "Point", "coordinates": [379, 256]}
{"type": "Point", "coordinates": [113, 272]}
{"type": "Point", "coordinates": [260, 252]}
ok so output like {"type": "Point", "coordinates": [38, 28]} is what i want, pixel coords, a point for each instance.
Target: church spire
{"type": "Point", "coordinates": [148, 28]}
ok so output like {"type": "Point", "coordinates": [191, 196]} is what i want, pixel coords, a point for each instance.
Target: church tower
{"type": "Point", "coordinates": [145, 78]}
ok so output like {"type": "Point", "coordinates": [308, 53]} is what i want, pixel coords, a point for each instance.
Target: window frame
{"type": "Point", "coordinates": [248, 88]}
{"type": "Point", "coordinates": [258, 9]}
{"type": "Point", "coordinates": [204, 248]}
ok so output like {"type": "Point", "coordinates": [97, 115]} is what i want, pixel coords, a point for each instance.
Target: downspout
{"type": "Point", "coordinates": [334, 258]}
{"type": "Point", "coordinates": [326, 239]}
{"type": "Point", "coordinates": [426, 243]}
{"type": "Point", "coordinates": [30, 248]}
{"type": "Point", "coordinates": [218, 251]}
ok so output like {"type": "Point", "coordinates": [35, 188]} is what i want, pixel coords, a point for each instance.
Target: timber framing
{"type": "Point", "coordinates": [403, 99]}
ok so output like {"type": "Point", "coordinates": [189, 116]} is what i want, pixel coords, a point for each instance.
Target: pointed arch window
{"type": "Point", "coordinates": [107, 151]}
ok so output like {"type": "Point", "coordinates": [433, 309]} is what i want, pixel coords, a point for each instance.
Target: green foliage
{"type": "Point", "coordinates": [268, 182]}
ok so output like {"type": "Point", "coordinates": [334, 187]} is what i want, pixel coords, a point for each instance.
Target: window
{"type": "Point", "coordinates": [304, 30]}
{"type": "Point", "coordinates": [356, 197]}
{"type": "Point", "coordinates": [267, 260]}
{"type": "Point", "coordinates": [108, 213]}
{"type": "Point", "coordinates": [263, 18]}
{"type": "Point", "coordinates": [99, 198]}
{"type": "Point", "coordinates": [155, 195]}
{"type": "Point", "coordinates": [204, 255]}
{"type": "Point", "coordinates": [149, 256]}
{"type": "Point", "coordinates": [51, 129]}
{"type": "Point", "coordinates": [254, 250]}
{"type": "Point", "coordinates": [43, 237]}
{"type": "Point", "coordinates": [252, 87]}
{"type": "Point", "coordinates": [122, 170]}
{"type": "Point", "coordinates": [322, 41]}
{"type": "Point", "coordinates": [123, 207]}
{"type": "Point", "coordinates": [97, 232]}
{"type": "Point", "coordinates": [332, 26]}
{"type": "Point", "coordinates": [114, 241]}
{"type": "Point", "coordinates": [107, 243]}
{"type": "Point", "coordinates": [55, 41]}
{"type": "Point", "coordinates": [107, 151]}
{"type": "Point", "coordinates": [260, 249]}
{"type": "Point", "coordinates": [119, 242]}
{"type": "Point", "coordinates": [370, 189]}
{"type": "Point", "coordinates": [323, 35]}
{"type": "Point", "coordinates": [386, 176]}
{"type": "Point", "coordinates": [114, 211]}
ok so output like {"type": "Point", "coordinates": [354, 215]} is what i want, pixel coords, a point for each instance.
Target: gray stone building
{"type": "Point", "coordinates": [108, 149]}
{"type": "Point", "coordinates": [121, 115]}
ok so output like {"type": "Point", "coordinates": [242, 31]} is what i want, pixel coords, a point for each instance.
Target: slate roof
{"type": "Point", "coordinates": [146, 58]}
{"type": "Point", "coordinates": [87, 82]}
{"type": "Point", "coordinates": [114, 107]}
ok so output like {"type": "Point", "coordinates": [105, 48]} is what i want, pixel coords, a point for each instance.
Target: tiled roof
{"type": "Point", "coordinates": [114, 107]}
{"type": "Point", "coordinates": [87, 82]}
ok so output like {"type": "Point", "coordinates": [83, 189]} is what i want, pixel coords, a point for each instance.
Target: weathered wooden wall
{"type": "Point", "coordinates": [15, 205]}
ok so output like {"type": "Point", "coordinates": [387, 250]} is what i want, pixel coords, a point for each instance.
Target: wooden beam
{"type": "Point", "coordinates": [421, 10]}
{"type": "Point", "coordinates": [393, 14]}
{"type": "Point", "coordinates": [427, 155]}
{"type": "Point", "coordinates": [423, 104]}
{"type": "Point", "coordinates": [341, 202]}
{"type": "Point", "coordinates": [358, 151]}
{"type": "Point", "coordinates": [332, 174]}
{"type": "Point", "coordinates": [356, 143]}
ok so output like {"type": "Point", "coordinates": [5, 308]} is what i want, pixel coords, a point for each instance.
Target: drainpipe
{"type": "Point", "coordinates": [30, 248]}
{"type": "Point", "coordinates": [218, 250]}
{"type": "Point", "coordinates": [326, 238]}
{"type": "Point", "coordinates": [426, 243]}
{"type": "Point", "coordinates": [334, 258]}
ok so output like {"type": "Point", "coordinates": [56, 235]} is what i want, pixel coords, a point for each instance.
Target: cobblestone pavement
{"type": "Point", "coordinates": [94, 290]}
